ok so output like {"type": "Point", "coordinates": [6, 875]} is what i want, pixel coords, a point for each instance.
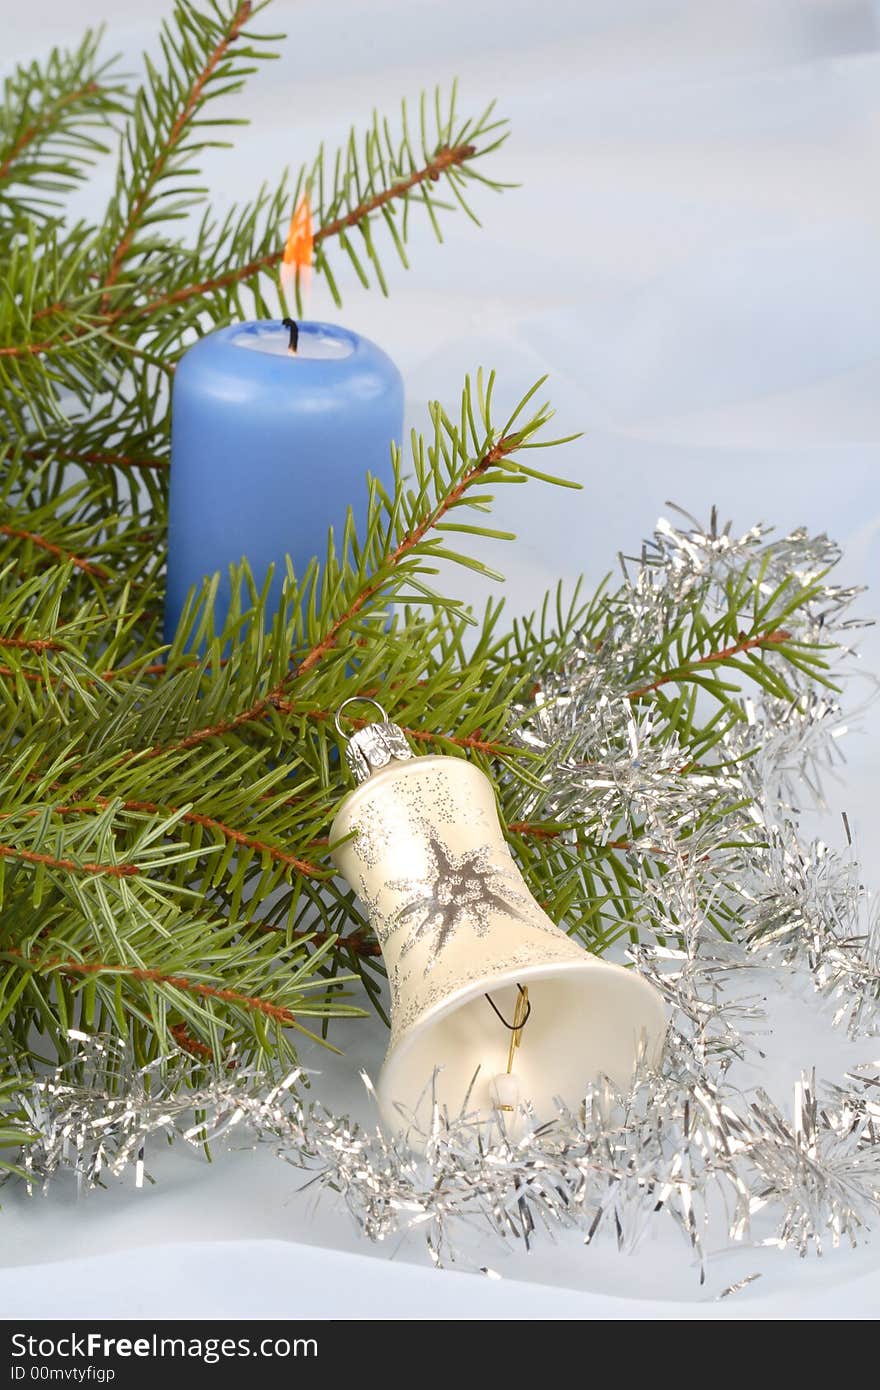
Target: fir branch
{"type": "Point", "coordinates": [94, 456]}
{"type": "Point", "coordinates": [32, 644]}
{"type": "Point", "coordinates": [46, 122]}
{"type": "Point", "coordinates": [101, 830]}
{"type": "Point", "coordinates": [148, 975]}
{"type": "Point", "coordinates": [55, 118]}
{"type": "Point", "coordinates": [441, 162]}
{"type": "Point", "coordinates": [51, 861]}
{"type": "Point", "coordinates": [187, 1043]}
{"type": "Point", "coordinates": [410, 542]}
{"type": "Point", "coordinates": [430, 738]}
{"type": "Point", "coordinates": [444, 741]}
{"type": "Point", "coordinates": [682, 673]}
{"type": "Point", "coordinates": [212, 67]}
{"type": "Point", "coordinates": [360, 942]}
{"type": "Point", "coordinates": [218, 729]}
{"type": "Point", "coordinates": [190, 817]}
{"type": "Point", "coordinates": [240, 838]}
{"type": "Point", "coordinates": [66, 556]}
{"type": "Point", "coordinates": [34, 677]}
{"type": "Point", "coordinates": [540, 831]}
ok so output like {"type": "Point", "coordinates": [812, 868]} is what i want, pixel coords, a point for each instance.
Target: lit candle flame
{"type": "Point", "coordinates": [296, 261]}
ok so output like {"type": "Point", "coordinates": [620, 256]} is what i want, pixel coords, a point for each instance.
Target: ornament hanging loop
{"type": "Point", "coordinates": [375, 745]}
{"type": "Point", "coordinates": [357, 700]}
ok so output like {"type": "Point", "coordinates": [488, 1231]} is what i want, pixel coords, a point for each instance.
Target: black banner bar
{"type": "Point", "coordinates": [127, 1355]}
{"type": "Point", "coordinates": [164, 1354]}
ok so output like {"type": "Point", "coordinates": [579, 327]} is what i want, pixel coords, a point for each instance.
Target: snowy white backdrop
{"type": "Point", "coordinates": [694, 257]}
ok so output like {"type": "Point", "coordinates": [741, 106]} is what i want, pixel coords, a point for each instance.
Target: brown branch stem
{"type": "Point", "coordinates": [29, 856]}
{"type": "Point", "coordinates": [41, 543]}
{"type": "Point", "coordinates": [358, 942]}
{"type": "Point", "coordinates": [229, 832]}
{"type": "Point", "coordinates": [32, 676]}
{"type": "Point", "coordinates": [251, 1002]}
{"type": "Point", "coordinates": [187, 1043]}
{"type": "Point", "coordinates": [548, 832]}
{"type": "Point", "coordinates": [745, 644]}
{"type": "Point", "coordinates": [473, 741]}
{"type": "Point", "coordinates": [32, 644]}
{"type": "Point", "coordinates": [111, 460]}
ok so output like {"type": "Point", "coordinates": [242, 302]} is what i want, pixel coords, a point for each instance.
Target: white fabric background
{"type": "Point", "coordinates": [694, 257]}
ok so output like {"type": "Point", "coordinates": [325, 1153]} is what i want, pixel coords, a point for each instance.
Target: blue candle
{"type": "Point", "coordinates": [269, 448]}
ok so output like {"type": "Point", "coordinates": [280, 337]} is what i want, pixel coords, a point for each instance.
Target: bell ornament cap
{"type": "Point", "coordinates": [420, 841]}
{"type": "Point", "coordinates": [375, 745]}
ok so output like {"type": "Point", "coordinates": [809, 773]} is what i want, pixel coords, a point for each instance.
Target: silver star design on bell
{"type": "Point", "coordinates": [463, 889]}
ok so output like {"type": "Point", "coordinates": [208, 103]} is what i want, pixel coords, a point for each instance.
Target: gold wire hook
{"type": "Point", "coordinates": [515, 1026]}
{"type": "Point", "coordinates": [520, 1018]}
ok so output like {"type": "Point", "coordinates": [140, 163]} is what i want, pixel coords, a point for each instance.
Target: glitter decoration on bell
{"type": "Point", "coordinates": [420, 841]}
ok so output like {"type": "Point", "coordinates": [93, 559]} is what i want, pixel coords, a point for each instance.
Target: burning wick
{"type": "Point", "coordinates": [294, 335]}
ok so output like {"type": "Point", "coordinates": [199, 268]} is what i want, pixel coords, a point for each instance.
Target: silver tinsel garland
{"type": "Point", "coordinates": [687, 1142]}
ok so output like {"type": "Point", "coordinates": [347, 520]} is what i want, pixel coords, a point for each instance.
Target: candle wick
{"type": "Point", "coordinates": [294, 334]}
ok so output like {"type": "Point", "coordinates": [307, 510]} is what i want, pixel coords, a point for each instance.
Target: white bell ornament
{"type": "Point", "coordinates": [420, 842]}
